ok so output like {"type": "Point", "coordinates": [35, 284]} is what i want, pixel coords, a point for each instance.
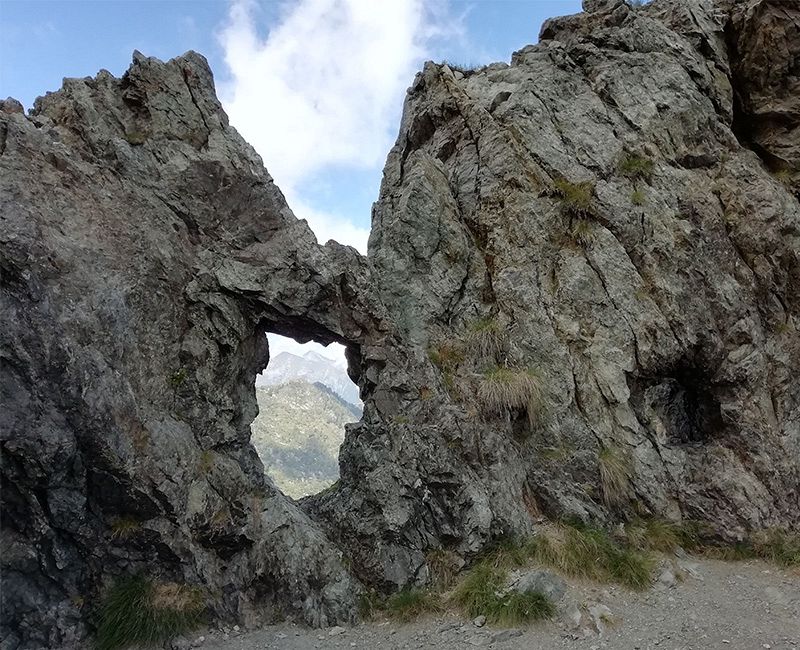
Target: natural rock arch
{"type": "Point", "coordinates": [140, 271]}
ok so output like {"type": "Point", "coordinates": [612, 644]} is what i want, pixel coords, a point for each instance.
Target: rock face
{"type": "Point", "coordinates": [581, 298]}
{"type": "Point", "coordinates": [145, 250]}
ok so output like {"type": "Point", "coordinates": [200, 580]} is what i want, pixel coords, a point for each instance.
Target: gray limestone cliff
{"type": "Point", "coordinates": [581, 299]}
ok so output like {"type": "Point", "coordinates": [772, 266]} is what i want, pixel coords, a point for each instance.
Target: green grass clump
{"type": "Point", "coordinates": [614, 467]}
{"type": "Point", "coordinates": [774, 545]}
{"type": "Point", "coordinates": [576, 198]}
{"type": "Point", "coordinates": [636, 167]}
{"type": "Point", "coordinates": [446, 356]}
{"type": "Point", "coordinates": [483, 592]}
{"type": "Point", "coordinates": [485, 337]}
{"type": "Point", "coordinates": [582, 232]}
{"type": "Point", "coordinates": [638, 197]}
{"type": "Point", "coordinates": [654, 535]}
{"type": "Point", "coordinates": [177, 378]}
{"type": "Point", "coordinates": [778, 546]}
{"type": "Point", "coordinates": [136, 611]}
{"type": "Point", "coordinates": [501, 390]}
{"type": "Point", "coordinates": [410, 604]}
{"type": "Point", "coordinates": [586, 552]}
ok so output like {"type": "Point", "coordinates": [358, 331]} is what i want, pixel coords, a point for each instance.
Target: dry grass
{"type": "Point", "coordinates": [443, 566]}
{"type": "Point", "coordinates": [124, 527]}
{"type": "Point", "coordinates": [485, 337]}
{"type": "Point", "coordinates": [586, 552]}
{"type": "Point", "coordinates": [614, 467]}
{"type": "Point", "coordinates": [502, 390]}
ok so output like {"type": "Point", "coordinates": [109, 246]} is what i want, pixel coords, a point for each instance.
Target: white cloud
{"type": "Point", "coordinates": [324, 87]}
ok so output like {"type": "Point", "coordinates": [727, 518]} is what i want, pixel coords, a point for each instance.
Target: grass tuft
{"type": "Point", "coordinates": [483, 592]}
{"type": "Point", "coordinates": [576, 198]}
{"type": "Point", "coordinates": [783, 176]}
{"type": "Point", "coordinates": [501, 390]}
{"type": "Point", "coordinates": [638, 197]}
{"type": "Point", "coordinates": [446, 356]}
{"type": "Point", "coordinates": [586, 552]}
{"type": "Point", "coordinates": [410, 604]}
{"type": "Point", "coordinates": [136, 611]}
{"type": "Point", "coordinates": [582, 232]}
{"type": "Point", "coordinates": [485, 337]}
{"type": "Point", "coordinates": [614, 469]}
{"type": "Point", "coordinates": [636, 167]}
{"type": "Point", "coordinates": [177, 378]}
{"type": "Point", "coordinates": [206, 462]}
{"type": "Point", "coordinates": [124, 527]}
{"type": "Point", "coordinates": [443, 566]}
{"type": "Point", "coordinates": [778, 546]}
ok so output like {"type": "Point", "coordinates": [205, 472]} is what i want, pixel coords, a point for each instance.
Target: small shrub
{"type": "Point", "coordinates": [638, 197]}
{"type": "Point", "coordinates": [485, 337]}
{"type": "Point", "coordinates": [483, 592]}
{"type": "Point", "coordinates": [136, 611]}
{"type": "Point", "coordinates": [582, 232]}
{"type": "Point", "coordinates": [576, 198]}
{"type": "Point", "coordinates": [502, 390]}
{"type": "Point", "coordinates": [410, 604]}
{"type": "Point", "coordinates": [636, 167]}
{"type": "Point", "coordinates": [613, 466]}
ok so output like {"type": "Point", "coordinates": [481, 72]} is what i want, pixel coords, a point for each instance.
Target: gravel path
{"type": "Point", "coordinates": [716, 605]}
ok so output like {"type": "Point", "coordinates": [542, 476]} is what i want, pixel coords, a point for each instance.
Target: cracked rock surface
{"type": "Point", "coordinates": [608, 225]}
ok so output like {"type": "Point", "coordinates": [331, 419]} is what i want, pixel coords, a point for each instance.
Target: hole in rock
{"type": "Point", "coordinates": [305, 398]}
{"type": "Point", "coordinates": [680, 402]}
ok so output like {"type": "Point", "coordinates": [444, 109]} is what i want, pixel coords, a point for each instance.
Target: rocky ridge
{"type": "Point", "coordinates": [610, 222]}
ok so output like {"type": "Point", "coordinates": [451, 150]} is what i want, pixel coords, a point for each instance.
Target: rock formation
{"type": "Point", "coordinates": [581, 299]}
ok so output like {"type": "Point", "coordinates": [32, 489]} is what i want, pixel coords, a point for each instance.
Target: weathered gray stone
{"type": "Point", "coordinates": [544, 582]}
{"type": "Point", "coordinates": [144, 252]}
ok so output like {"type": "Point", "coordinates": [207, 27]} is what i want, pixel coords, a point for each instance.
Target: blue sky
{"type": "Point", "coordinates": [316, 86]}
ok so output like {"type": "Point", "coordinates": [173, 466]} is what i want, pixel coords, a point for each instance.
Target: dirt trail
{"type": "Point", "coordinates": [717, 605]}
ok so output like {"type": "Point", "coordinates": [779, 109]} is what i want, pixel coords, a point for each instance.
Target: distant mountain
{"type": "Point", "coordinates": [312, 367]}
{"type": "Point", "coordinates": [298, 432]}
